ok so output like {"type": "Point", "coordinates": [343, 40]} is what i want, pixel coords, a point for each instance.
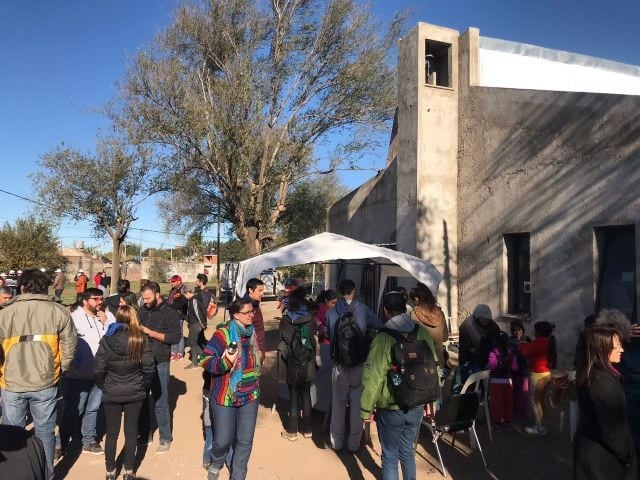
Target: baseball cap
{"type": "Point", "coordinates": [175, 278]}
{"type": "Point", "coordinates": [395, 302]}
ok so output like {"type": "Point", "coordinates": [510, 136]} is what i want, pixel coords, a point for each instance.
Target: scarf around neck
{"type": "Point", "coordinates": [236, 333]}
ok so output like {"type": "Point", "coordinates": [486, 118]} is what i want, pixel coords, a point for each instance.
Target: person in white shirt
{"type": "Point", "coordinates": [82, 398]}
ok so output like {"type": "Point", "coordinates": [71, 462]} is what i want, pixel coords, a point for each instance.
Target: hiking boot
{"type": "Point", "coordinates": [163, 447]}
{"type": "Point", "coordinates": [93, 448]}
{"type": "Point", "coordinates": [213, 474]}
{"type": "Point", "coordinates": [292, 437]}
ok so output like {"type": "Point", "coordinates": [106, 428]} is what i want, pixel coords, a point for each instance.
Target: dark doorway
{"type": "Point", "coordinates": [518, 273]}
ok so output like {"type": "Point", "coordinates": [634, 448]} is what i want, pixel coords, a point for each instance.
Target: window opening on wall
{"type": "Point", "coordinates": [518, 273]}
{"type": "Point", "coordinates": [616, 275]}
{"type": "Point", "coordinates": [437, 63]}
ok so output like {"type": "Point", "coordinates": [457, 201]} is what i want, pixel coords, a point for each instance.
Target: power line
{"type": "Point", "coordinates": [130, 228]}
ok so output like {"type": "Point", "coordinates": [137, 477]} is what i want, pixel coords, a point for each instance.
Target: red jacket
{"type": "Point", "coordinates": [537, 353]}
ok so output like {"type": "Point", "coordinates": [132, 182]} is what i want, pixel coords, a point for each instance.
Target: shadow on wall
{"type": "Point", "coordinates": [553, 164]}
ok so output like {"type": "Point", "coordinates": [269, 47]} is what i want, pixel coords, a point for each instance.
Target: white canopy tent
{"type": "Point", "coordinates": [331, 246]}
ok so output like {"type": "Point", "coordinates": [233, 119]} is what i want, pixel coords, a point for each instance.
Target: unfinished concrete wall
{"type": "Point", "coordinates": [553, 164]}
{"type": "Point", "coordinates": [368, 213]}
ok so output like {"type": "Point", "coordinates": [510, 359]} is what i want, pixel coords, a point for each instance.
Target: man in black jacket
{"type": "Point", "coordinates": [162, 324]}
{"type": "Point", "coordinates": [197, 316]}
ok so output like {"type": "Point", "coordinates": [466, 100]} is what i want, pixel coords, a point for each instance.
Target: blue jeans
{"type": "Point", "coordinates": [231, 423]}
{"type": "Point", "coordinates": [179, 347]}
{"type": "Point", "coordinates": [160, 394]}
{"type": "Point", "coordinates": [397, 431]}
{"type": "Point", "coordinates": [42, 405]}
{"type": "Point", "coordinates": [82, 399]}
{"type": "Point", "coordinates": [207, 419]}
{"type": "Point", "coordinates": [207, 426]}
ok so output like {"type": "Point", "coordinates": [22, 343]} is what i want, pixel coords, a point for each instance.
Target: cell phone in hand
{"type": "Point", "coordinates": [232, 348]}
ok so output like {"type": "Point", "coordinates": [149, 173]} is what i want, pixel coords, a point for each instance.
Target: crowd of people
{"type": "Point", "coordinates": [114, 353]}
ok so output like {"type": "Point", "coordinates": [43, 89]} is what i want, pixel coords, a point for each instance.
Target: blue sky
{"type": "Point", "coordinates": [60, 60]}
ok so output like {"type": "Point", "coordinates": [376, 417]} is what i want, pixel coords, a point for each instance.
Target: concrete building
{"type": "Point", "coordinates": [513, 169]}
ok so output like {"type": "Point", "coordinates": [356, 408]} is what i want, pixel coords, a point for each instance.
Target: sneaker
{"type": "Point", "coordinates": [144, 441]}
{"type": "Point", "coordinates": [213, 474]}
{"type": "Point", "coordinates": [292, 437]}
{"type": "Point", "coordinates": [307, 435]}
{"type": "Point", "coordinates": [111, 475]}
{"type": "Point", "coordinates": [206, 465]}
{"type": "Point", "coordinates": [163, 447]}
{"type": "Point", "coordinates": [539, 430]}
{"type": "Point", "coordinates": [94, 448]}
{"type": "Point", "coordinates": [128, 475]}
{"type": "Point", "coordinates": [57, 454]}
{"type": "Point", "coordinates": [173, 357]}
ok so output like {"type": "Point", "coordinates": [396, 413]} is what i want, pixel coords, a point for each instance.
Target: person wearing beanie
{"type": "Point", "coordinates": [476, 333]}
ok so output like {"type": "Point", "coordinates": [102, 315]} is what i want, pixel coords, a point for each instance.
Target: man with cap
{"type": "Point", "coordinates": [178, 302]}
{"type": "Point", "coordinates": [477, 333]}
{"type": "Point", "coordinates": [58, 285]}
{"type": "Point", "coordinates": [397, 427]}
{"type": "Point", "coordinates": [81, 281]}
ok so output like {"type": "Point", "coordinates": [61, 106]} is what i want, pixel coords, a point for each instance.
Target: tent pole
{"type": "Point", "coordinates": [313, 280]}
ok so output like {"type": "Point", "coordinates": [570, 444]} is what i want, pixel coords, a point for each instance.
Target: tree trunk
{"type": "Point", "coordinates": [115, 261]}
{"type": "Point", "coordinates": [249, 237]}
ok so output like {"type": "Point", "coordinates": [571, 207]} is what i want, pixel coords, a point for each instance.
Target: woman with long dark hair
{"type": "Point", "coordinates": [428, 313]}
{"type": "Point", "coordinates": [603, 446]}
{"type": "Point", "coordinates": [233, 359]}
{"type": "Point", "coordinates": [123, 370]}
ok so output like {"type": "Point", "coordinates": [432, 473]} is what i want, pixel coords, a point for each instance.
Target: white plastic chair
{"type": "Point", "coordinates": [479, 382]}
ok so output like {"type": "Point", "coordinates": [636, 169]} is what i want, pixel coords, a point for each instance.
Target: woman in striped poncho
{"type": "Point", "coordinates": [234, 389]}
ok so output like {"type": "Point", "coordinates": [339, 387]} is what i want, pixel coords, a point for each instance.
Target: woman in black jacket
{"type": "Point", "coordinates": [123, 370]}
{"type": "Point", "coordinates": [603, 447]}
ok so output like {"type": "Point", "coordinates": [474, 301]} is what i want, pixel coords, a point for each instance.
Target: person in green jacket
{"type": "Point", "coordinates": [397, 427]}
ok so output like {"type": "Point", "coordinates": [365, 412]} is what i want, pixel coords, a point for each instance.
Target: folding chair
{"type": "Point", "coordinates": [479, 383]}
{"type": "Point", "coordinates": [457, 413]}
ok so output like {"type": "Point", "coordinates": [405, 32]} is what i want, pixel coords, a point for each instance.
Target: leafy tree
{"type": "Point", "coordinates": [104, 188]}
{"type": "Point", "coordinates": [29, 243]}
{"type": "Point", "coordinates": [158, 270]}
{"type": "Point", "coordinates": [307, 205]}
{"type": "Point", "coordinates": [232, 251]}
{"type": "Point", "coordinates": [237, 94]}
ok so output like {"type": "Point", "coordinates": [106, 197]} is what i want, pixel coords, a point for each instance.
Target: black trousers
{"type": "Point", "coordinates": [299, 397]}
{"type": "Point", "coordinates": [113, 416]}
{"type": "Point", "coordinates": [192, 340]}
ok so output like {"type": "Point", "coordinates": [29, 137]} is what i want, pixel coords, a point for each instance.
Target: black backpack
{"type": "Point", "coordinates": [349, 345]}
{"type": "Point", "coordinates": [413, 376]}
{"type": "Point", "coordinates": [301, 351]}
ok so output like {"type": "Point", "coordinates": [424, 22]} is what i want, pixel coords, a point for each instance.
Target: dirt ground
{"type": "Point", "coordinates": [512, 455]}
